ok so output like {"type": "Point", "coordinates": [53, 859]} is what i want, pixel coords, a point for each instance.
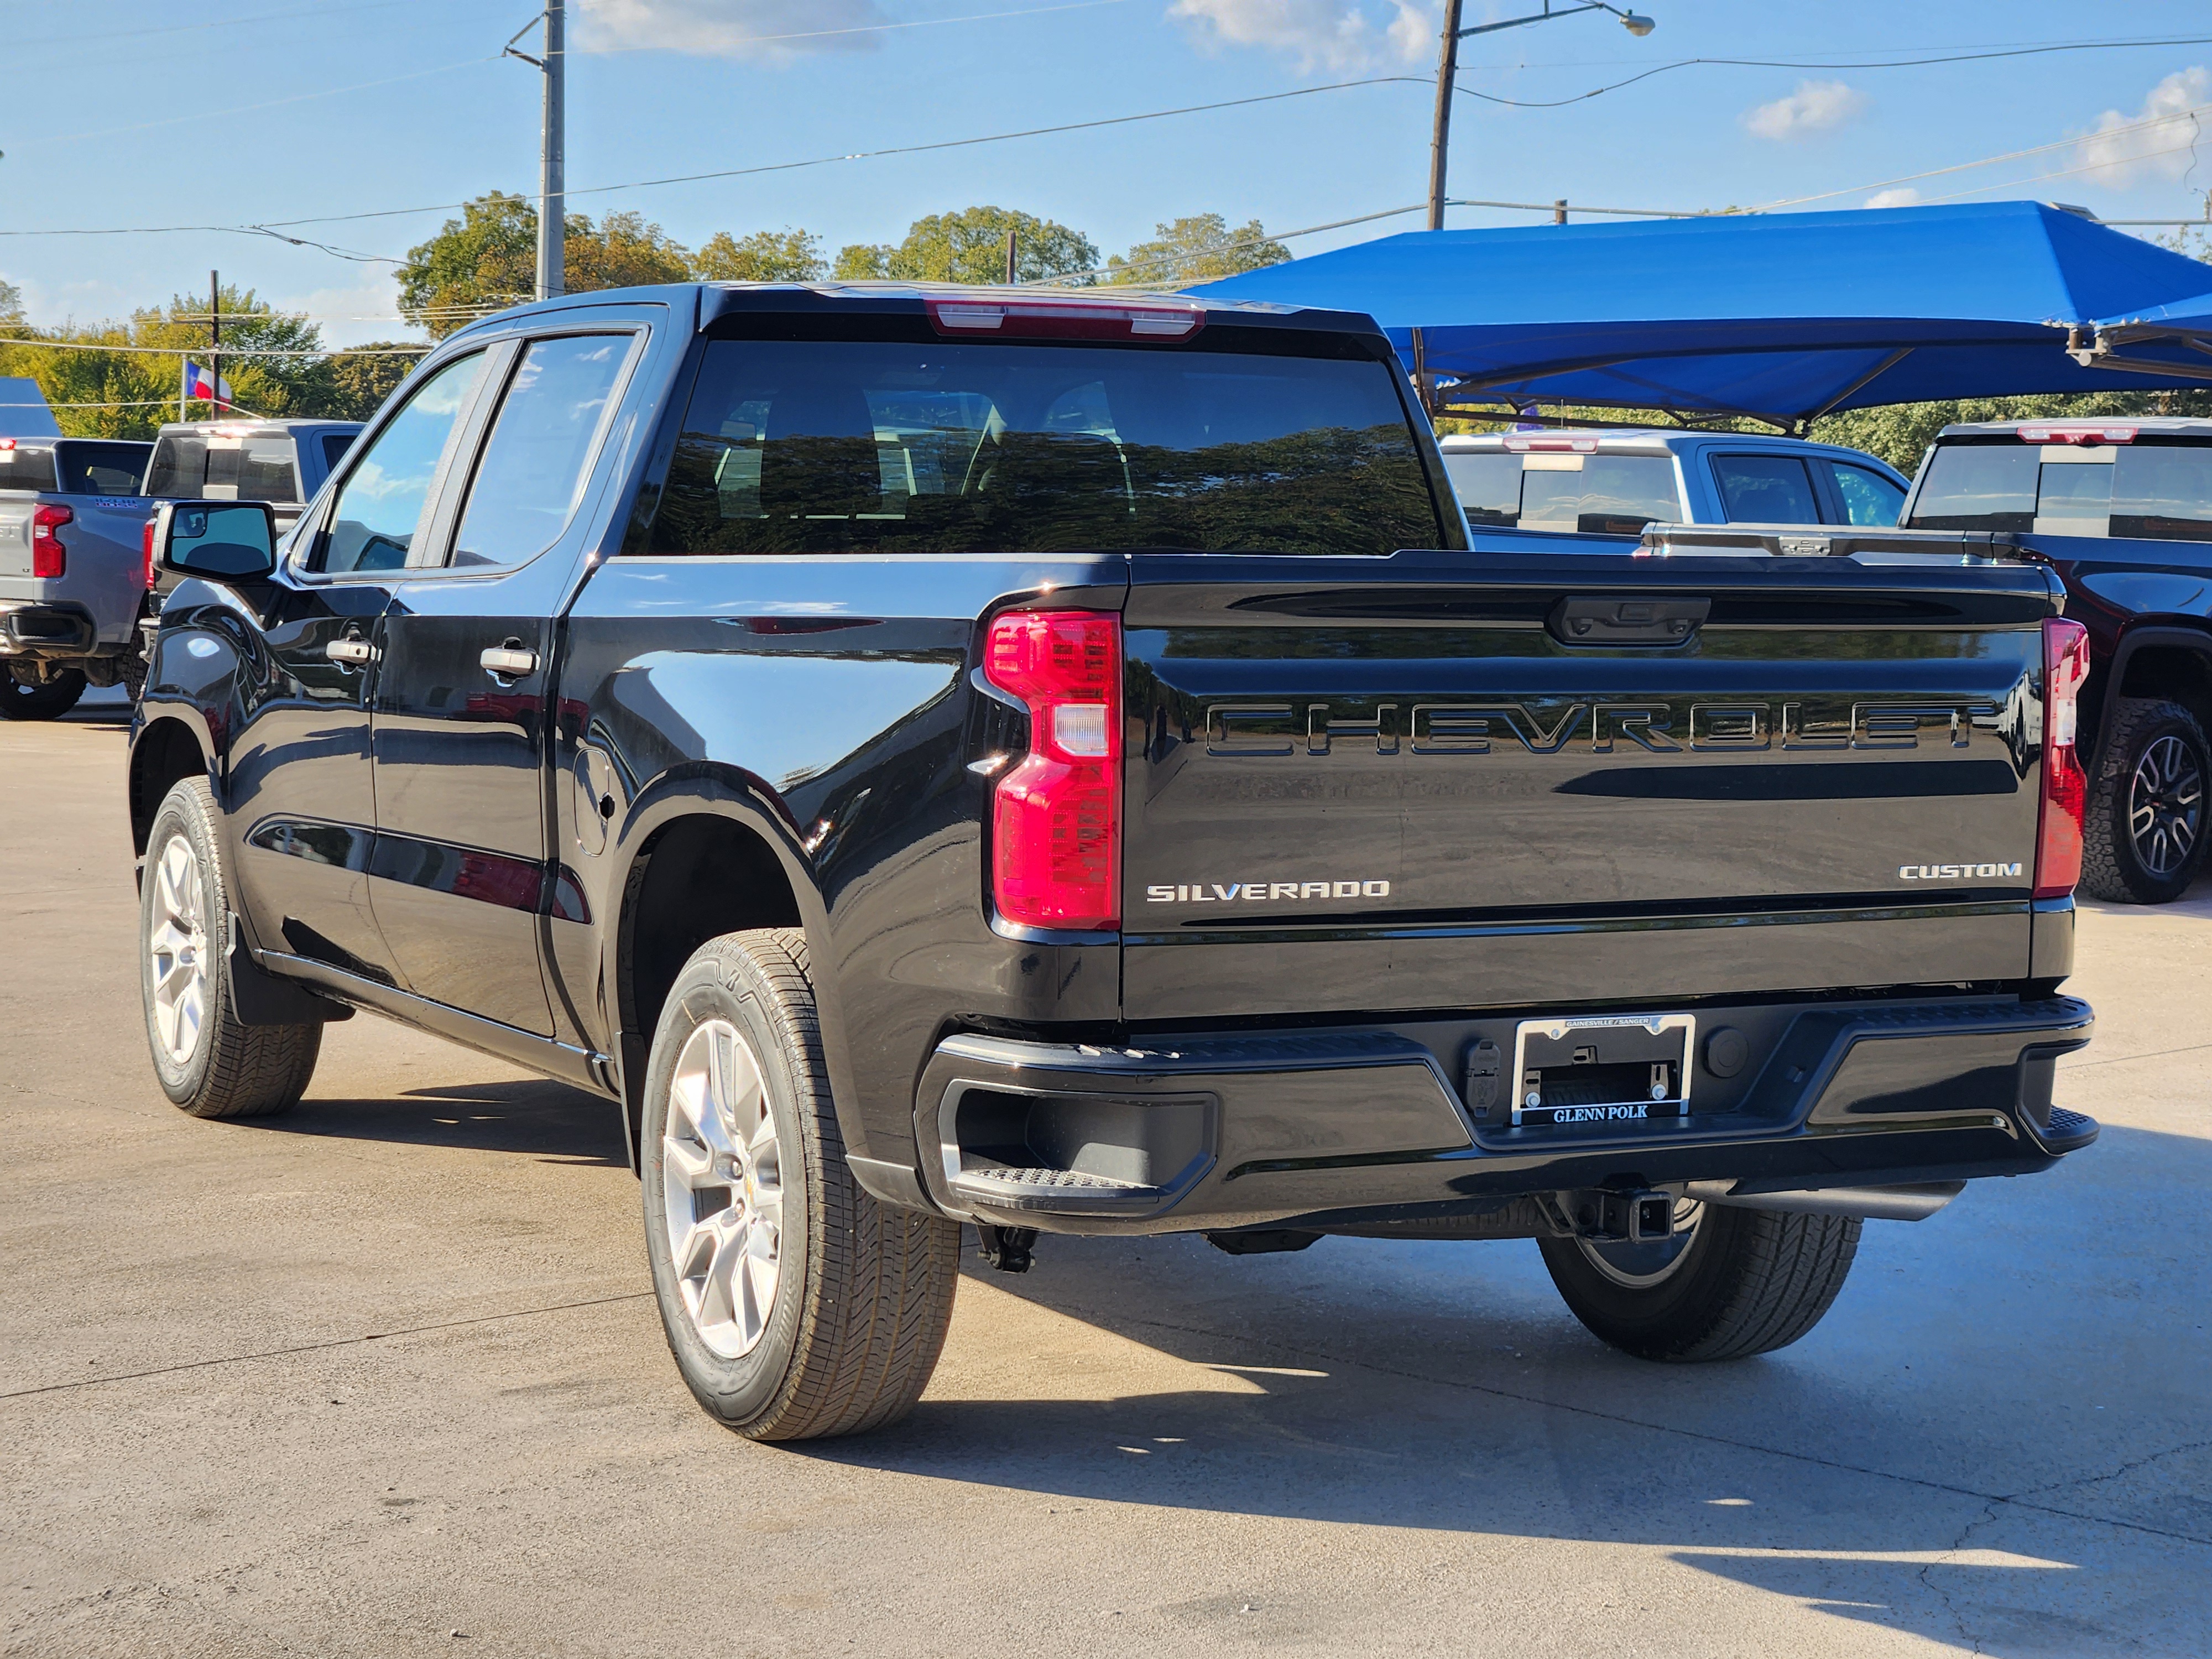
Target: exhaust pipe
{"type": "Point", "coordinates": [1913, 1203]}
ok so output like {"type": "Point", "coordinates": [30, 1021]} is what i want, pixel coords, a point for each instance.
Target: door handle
{"type": "Point", "coordinates": [350, 650]}
{"type": "Point", "coordinates": [505, 662]}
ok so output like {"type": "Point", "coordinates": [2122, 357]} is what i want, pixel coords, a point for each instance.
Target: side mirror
{"type": "Point", "coordinates": [222, 541]}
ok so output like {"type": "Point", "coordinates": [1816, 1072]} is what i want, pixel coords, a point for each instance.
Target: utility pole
{"type": "Point", "coordinates": [1010, 258]}
{"type": "Point", "coordinates": [215, 336]}
{"type": "Point", "coordinates": [552, 198]}
{"type": "Point", "coordinates": [1448, 70]}
{"type": "Point", "coordinates": [1440, 140]}
{"type": "Point", "coordinates": [552, 143]}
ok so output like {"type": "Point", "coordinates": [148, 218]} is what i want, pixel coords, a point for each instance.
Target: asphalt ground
{"type": "Point", "coordinates": [384, 1377]}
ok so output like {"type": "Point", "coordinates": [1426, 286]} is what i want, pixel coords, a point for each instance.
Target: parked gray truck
{"type": "Point", "coordinates": [73, 570]}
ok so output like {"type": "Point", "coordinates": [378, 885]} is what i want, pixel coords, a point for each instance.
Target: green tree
{"type": "Point", "coordinates": [971, 246]}
{"type": "Point", "coordinates": [487, 259]}
{"type": "Point", "coordinates": [1197, 249]}
{"type": "Point", "coordinates": [119, 394]}
{"type": "Point", "coordinates": [766, 256]}
{"type": "Point", "coordinates": [360, 380]}
{"type": "Point", "coordinates": [1901, 433]}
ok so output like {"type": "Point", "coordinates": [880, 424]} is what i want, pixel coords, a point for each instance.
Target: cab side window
{"type": "Point", "coordinates": [1869, 498]}
{"type": "Point", "coordinates": [385, 498]}
{"type": "Point", "coordinates": [1766, 489]}
{"type": "Point", "coordinates": [532, 470]}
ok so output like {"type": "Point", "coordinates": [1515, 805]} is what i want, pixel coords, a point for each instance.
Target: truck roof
{"type": "Point", "coordinates": [2177, 426]}
{"type": "Point", "coordinates": [255, 429]}
{"type": "Point", "coordinates": [714, 301]}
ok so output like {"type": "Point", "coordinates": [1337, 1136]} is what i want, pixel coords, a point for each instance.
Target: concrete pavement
{"type": "Point", "coordinates": [384, 1377]}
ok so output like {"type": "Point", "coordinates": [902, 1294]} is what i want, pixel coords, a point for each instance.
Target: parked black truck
{"type": "Point", "coordinates": [2122, 510]}
{"type": "Point", "coordinates": [1056, 764]}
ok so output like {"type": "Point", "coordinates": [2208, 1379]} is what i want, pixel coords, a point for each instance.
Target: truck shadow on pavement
{"type": "Point", "coordinates": [549, 1120]}
{"type": "Point", "coordinates": [1995, 1441]}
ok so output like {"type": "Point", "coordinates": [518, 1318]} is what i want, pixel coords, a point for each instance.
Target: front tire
{"type": "Point", "coordinates": [1747, 1282]}
{"type": "Point", "coordinates": [2143, 839]}
{"type": "Point", "coordinates": [796, 1305]}
{"type": "Point", "coordinates": [20, 700]}
{"type": "Point", "coordinates": [208, 1063]}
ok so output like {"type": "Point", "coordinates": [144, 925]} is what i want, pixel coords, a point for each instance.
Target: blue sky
{"type": "Point", "coordinates": [137, 114]}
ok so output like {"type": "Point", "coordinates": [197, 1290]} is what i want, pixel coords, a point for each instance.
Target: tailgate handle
{"type": "Point", "coordinates": [1627, 621]}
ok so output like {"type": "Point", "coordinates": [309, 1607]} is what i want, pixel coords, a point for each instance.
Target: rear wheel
{"type": "Point", "coordinates": [1731, 1283]}
{"type": "Point", "coordinates": [208, 1062]}
{"type": "Point", "coordinates": [795, 1304]}
{"type": "Point", "coordinates": [20, 700]}
{"type": "Point", "coordinates": [2142, 840]}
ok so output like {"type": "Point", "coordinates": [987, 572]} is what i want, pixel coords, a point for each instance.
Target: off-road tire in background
{"type": "Point", "coordinates": [2147, 796]}
{"type": "Point", "coordinates": [208, 1063]}
{"type": "Point", "coordinates": [795, 1304]}
{"type": "Point", "coordinates": [1750, 1281]}
{"type": "Point", "coordinates": [21, 700]}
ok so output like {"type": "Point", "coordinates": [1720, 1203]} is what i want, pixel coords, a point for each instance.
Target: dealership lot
{"type": "Point", "coordinates": [384, 1376]}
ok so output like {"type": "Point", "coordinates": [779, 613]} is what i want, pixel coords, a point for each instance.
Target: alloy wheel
{"type": "Point", "coordinates": [176, 949]}
{"type": "Point", "coordinates": [2166, 801]}
{"type": "Point", "coordinates": [723, 1189]}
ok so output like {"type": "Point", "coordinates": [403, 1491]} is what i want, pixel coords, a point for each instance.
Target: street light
{"type": "Point", "coordinates": [1448, 67]}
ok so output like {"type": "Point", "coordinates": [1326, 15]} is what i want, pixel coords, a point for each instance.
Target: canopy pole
{"type": "Point", "coordinates": [1865, 380]}
{"type": "Point", "coordinates": [1425, 385]}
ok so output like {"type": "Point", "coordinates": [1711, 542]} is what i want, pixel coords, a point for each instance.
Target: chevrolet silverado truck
{"type": "Point", "coordinates": [932, 757]}
{"type": "Point", "coordinates": [73, 571]}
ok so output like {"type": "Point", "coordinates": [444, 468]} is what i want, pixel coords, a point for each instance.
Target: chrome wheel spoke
{"type": "Point", "coordinates": [176, 950]}
{"type": "Point", "coordinates": [723, 1191]}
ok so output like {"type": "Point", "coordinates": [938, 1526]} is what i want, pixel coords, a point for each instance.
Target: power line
{"type": "Point", "coordinates": [2193, 110]}
{"type": "Point", "coordinates": [247, 109]}
{"type": "Point", "coordinates": [203, 348]}
{"type": "Point", "coordinates": [1799, 64]}
{"type": "Point", "coordinates": [106, 36]}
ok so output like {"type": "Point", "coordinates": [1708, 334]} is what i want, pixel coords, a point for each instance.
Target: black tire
{"type": "Point", "coordinates": [1749, 1282]}
{"type": "Point", "coordinates": [227, 1069]}
{"type": "Point", "coordinates": [21, 700]}
{"type": "Point", "coordinates": [846, 1337]}
{"type": "Point", "coordinates": [2143, 838]}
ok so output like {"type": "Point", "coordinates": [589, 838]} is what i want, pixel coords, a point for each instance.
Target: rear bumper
{"type": "Point", "coordinates": [1351, 1126]}
{"type": "Point", "coordinates": [33, 628]}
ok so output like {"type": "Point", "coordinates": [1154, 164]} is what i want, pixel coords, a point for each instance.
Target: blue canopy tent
{"type": "Point", "coordinates": [1780, 317]}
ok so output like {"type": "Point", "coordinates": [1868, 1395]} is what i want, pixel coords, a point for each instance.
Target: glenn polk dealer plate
{"type": "Point", "coordinates": [1606, 1068]}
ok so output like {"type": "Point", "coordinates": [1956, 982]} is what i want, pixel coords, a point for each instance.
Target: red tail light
{"type": "Point", "coordinates": [1057, 816]}
{"type": "Point", "coordinates": [49, 558]}
{"type": "Point", "coordinates": [146, 549]}
{"type": "Point", "coordinates": [2065, 786]}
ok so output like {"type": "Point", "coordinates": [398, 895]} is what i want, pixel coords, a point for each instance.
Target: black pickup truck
{"type": "Point", "coordinates": [2122, 510]}
{"type": "Point", "coordinates": [1056, 764]}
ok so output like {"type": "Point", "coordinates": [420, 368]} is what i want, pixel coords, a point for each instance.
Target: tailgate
{"type": "Point", "coordinates": [15, 537]}
{"type": "Point", "coordinates": [1438, 780]}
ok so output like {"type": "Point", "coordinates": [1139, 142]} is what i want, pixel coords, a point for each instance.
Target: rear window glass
{"type": "Point", "coordinates": [2163, 492]}
{"type": "Point", "coordinates": [97, 469]}
{"type": "Point", "coordinates": [1604, 496]}
{"type": "Point", "coordinates": [1766, 489]}
{"type": "Point", "coordinates": [225, 467]}
{"type": "Point", "coordinates": [335, 445]}
{"type": "Point", "coordinates": [27, 469]}
{"type": "Point", "coordinates": [1488, 483]}
{"type": "Point", "coordinates": [1978, 486]}
{"type": "Point", "coordinates": [953, 448]}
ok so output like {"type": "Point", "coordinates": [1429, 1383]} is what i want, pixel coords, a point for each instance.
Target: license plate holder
{"type": "Point", "coordinates": [1589, 1070]}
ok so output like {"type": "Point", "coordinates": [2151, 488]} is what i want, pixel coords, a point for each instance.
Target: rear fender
{"type": "Point", "coordinates": [2187, 680]}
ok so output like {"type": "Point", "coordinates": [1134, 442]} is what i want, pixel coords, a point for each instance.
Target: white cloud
{"type": "Point", "coordinates": [1815, 107]}
{"type": "Point", "coordinates": [774, 30]}
{"type": "Point", "coordinates": [1906, 197]}
{"type": "Point", "coordinates": [1329, 34]}
{"type": "Point", "coordinates": [2162, 149]}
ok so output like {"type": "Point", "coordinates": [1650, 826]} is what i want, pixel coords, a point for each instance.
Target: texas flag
{"type": "Point", "coordinates": [201, 382]}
